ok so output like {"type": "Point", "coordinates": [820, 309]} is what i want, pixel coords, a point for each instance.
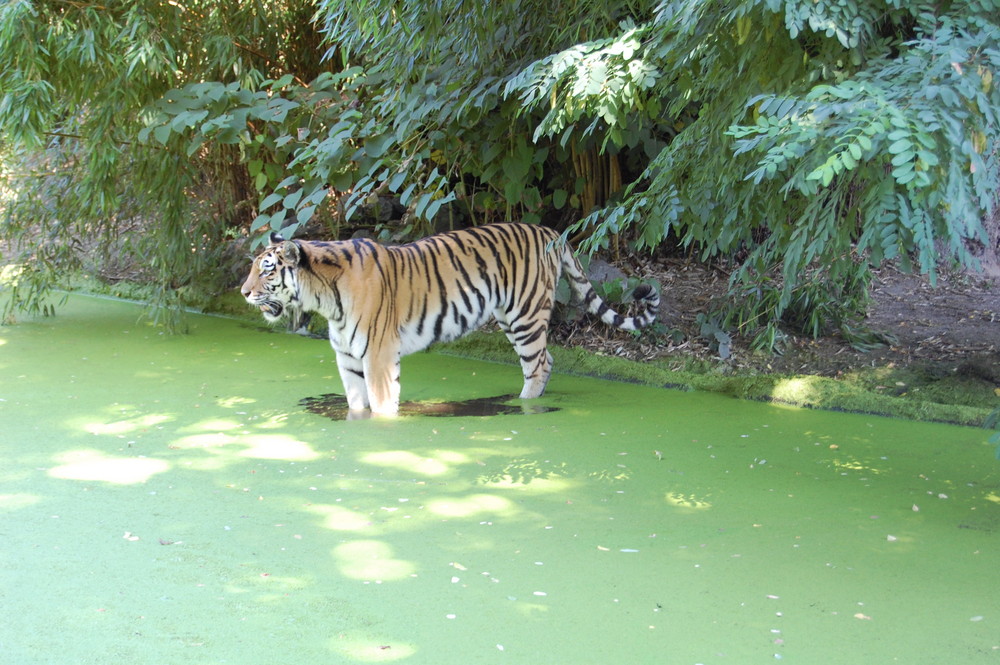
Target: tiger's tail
{"type": "Point", "coordinates": [583, 292]}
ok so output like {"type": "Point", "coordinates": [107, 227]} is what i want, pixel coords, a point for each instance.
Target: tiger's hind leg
{"type": "Point", "coordinates": [530, 340]}
{"type": "Point", "coordinates": [537, 369]}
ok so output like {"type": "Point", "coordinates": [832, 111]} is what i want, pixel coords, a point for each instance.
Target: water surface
{"type": "Point", "coordinates": [172, 500]}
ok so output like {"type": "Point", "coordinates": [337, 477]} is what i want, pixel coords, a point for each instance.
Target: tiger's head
{"type": "Point", "coordinates": [272, 285]}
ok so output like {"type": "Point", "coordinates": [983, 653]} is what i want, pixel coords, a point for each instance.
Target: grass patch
{"type": "Point", "coordinates": [958, 399]}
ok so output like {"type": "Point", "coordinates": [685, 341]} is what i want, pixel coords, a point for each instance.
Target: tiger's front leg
{"type": "Point", "coordinates": [353, 377]}
{"type": "Point", "coordinates": [382, 381]}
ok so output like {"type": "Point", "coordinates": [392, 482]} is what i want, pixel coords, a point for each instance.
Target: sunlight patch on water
{"type": "Point", "coordinates": [339, 518]}
{"type": "Point", "coordinates": [277, 446]}
{"type": "Point", "coordinates": [686, 501]}
{"type": "Point", "coordinates": [233, 402]}
{"type": "Point", "coordinates": [404, 460]}
{"type": "Point", "coordinates": [127, 425]}
{"type": "Point", "coordinates": [471, 505]}
{"type": "Point", "coordinates": [11, 502]}
{"type": "Point", "coordinates": [212, 425]}
{"type": "Point", "coordinates": [538, 483]}
{"type": "Point", "coordinates": [214, 440]}
{"type": "Point", "coordinates": [371, 560]}
{"type": "Point", "coordinates": [257, 446]}
{"type": "Point", "coordinates": [357, 647]}
{"type": "Point", "coordinates": [96, 465]}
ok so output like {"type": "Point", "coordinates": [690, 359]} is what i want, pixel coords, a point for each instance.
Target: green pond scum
{"type": "Point", "coordinates": [172, 499]}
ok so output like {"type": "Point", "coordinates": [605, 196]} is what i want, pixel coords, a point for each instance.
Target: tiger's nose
{"type": "Point", "coordinates": [245, 291]}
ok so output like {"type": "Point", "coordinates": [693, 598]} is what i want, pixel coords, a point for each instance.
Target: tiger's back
{"type": "Point", "coordinates": [383, 302]}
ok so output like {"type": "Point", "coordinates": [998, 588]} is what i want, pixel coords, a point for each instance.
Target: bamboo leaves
{"type": "Point", "coordinates": [822, 137]}
{"type": "Point", "coordinates": [604, 80]}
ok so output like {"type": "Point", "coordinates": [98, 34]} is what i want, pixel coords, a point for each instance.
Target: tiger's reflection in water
{"type": "Point", "coordinates": [335, 407]}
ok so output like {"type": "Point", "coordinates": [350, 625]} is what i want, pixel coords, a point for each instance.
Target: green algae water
{"type": "Point", "coordinates": [173, 500]}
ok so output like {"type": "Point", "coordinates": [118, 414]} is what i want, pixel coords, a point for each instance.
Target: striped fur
{"type": "Point", "coordinates": [384, 302]}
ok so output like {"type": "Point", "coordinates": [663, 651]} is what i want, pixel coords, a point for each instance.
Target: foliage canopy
{"type": "Point", "coordinates": [811, 139]}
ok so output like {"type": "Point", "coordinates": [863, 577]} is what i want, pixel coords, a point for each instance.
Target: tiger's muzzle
{"type": "Point", "coordinates": [271, 309]}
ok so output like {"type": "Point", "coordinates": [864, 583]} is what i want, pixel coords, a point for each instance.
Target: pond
{"type": "Point", "coordinates": [173, 499]}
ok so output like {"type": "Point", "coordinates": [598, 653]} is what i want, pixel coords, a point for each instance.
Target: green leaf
{"type": "Point", "coordinates": [904, 176]}
{"type": "Point", "coordinates": [304, 214]}
{"type": "Point", "coordinates": [377, 146]}
{"type": "Point", "coordinates": [260, 221]}
{"type": "Point", "coordinates": [396, 181]}
{"type": "Point", "coordinates": [292, 200]}
{"type": "Point", "coordinates": [828, 175]}
{"type": "Point", "coordinates": [559, 197]}
{"type": "Point", "coordinates": [902, 158]}
{"type": "Point", "coordinates": [195, 144]}
{"type": "Point", "coordinates": [901, 146]}
{"type": "Point", "coordinates": [513, 189]}
{"type": "Point", "coordinates": [929, 158]}
{"type": "Point", "coordinates": [287, 182]}
{"type": "Point", "coordinates": [596, 77]}
{"type": "Point", "coordinates": [343, 181]}
{"type": "Point", "coordinates": [270, 200]}
{"type": "Point", "coordinates": [423, 201]}
{"type": "Point", "coordinates": [404, 198]}
{"type": "Point", "coordinates": [317, 196]}
{"type": "Point", "coordinates": [162, 134]}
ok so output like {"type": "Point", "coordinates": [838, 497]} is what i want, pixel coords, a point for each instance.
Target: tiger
{"type": "Point", "coordinates": [383, 302]}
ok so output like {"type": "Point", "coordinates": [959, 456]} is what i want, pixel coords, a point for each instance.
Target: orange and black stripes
{"type": "Point", "coordinates": [383, 302]}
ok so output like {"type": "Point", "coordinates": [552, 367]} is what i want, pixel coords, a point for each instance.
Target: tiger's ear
{"type": "Point", "coordinates": [290, 251]}
{"type": "Point", "coordinates": [276, 238]}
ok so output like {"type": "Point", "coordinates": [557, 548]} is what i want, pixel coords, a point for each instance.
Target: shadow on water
{"type": "Point", "coordinates": [334, 406]}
